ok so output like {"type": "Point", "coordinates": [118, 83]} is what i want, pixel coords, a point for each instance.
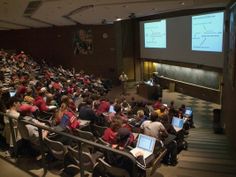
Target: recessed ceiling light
{"type": "Point", "coordinates": [118, 19]}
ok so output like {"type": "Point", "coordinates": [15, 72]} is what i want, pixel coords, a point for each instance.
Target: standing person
{"type": "Point", "coordinates": [123, 78]}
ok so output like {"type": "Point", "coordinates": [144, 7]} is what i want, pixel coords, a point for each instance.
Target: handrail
{"type": "Point", "coordinates": [188, 83]}
{"type": "Point", "coordinates": [80, 141]}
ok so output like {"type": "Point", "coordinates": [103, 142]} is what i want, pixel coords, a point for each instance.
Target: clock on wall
{"type": "Point", "coordinates": [104, 35]}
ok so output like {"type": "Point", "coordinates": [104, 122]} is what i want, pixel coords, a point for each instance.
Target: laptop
{"type": "Point", "coordinates": [145, 145]}
{"type": "Point", "coordinates": [188, 112]}
{"type": "Point", "coordinates": [12, 93]}
{"type": "Point", "coordinates": [111, 109]}
{"type": "Point", "coordinates": [177, 123]}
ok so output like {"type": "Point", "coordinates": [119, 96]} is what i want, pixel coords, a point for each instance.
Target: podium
{"type": "Point", "coordinates": [148, 91]}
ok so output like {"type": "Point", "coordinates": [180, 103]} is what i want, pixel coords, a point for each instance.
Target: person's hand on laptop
{"type": "Point", "coordinates": [139, 153]}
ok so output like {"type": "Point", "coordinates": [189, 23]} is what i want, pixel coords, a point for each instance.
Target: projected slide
{"type": "Point", "coordinates": [155, 34]}
{"type": "Point", "coordinates": [207, 32]}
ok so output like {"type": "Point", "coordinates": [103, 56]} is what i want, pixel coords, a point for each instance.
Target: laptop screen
{"type": "Point", "coordinates": [12, 93]}
{"type": "Point", "coordinates": [177, 122]}
{"type": "Point", "coordinates": [188, 112]}
{"type": "Point", "coordinates": [146, 142]}
{"type": "Point", "coordinates": [111, 109]}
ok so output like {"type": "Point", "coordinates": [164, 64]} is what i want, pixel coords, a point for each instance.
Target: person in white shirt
{"type": "Point", "coordinates": [123, 78]}
{"type": "Point", "coordinates": [12, 112]}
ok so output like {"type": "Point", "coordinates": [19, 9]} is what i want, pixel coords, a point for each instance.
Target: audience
{"type": "Point", "coordinates": [70, 97]}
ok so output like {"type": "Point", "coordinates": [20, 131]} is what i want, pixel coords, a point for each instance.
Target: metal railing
{"type": "Point", "coordinates": [79, 140]}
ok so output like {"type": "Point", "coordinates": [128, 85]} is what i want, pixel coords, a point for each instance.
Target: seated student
{"type": "Point", "coordinates": [172, 109]}
{"type": "Point", "coordinates": [125, 107]}
{"type": "Point", "coordinates": [86, 112]}
{"type": "Point", "coordinates": [40, 102]}
{"type": "Point", "coordinates": [124, 138]}
{"type": "Point", "coordinates": [111, 132]}
{"type": "Point", "coordinates": [162, 111]}
{"type": "Point", "coordinates": [118, 112]}
{"type": "Point", "coordinates": [140, 118]}
{"type": "Point", "coordinates": [156, 129]}
{"type": "Point", "coordinates": [13, 105]}
{"type": "Point", "coordinates": [158, 104]}
{"type": "Point", "coordinates": [30, 132]}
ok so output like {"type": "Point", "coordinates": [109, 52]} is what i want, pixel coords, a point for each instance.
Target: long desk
{"type": "Point", "coordinates": [148, 91]}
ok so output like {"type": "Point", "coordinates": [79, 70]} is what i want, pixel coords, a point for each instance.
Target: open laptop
{"type": "Point", "coordinates": [12, 93]}
{"type": "Point", "coordinates": [188, 112]}
{"type": "Point", "coordinates": [177, 123]}
{"type": "Point", "coordinates": [145, 145]}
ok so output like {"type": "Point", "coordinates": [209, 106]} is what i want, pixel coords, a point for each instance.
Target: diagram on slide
{"type": "Point", "coordinates": [155, 34]}
{"type": "Point", "coordinates": [207, 32]}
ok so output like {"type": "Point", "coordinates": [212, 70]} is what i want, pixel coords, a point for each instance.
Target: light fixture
{"type": "Point", "coordinates": [118, 19]}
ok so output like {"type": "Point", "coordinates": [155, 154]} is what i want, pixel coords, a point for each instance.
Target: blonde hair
{"type": "Point", "coordinates": [140, 113]}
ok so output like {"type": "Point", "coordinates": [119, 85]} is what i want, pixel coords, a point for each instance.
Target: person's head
{"type": "Point", "coordinates": [162, 109]}
{"type": "Point", "coordinates": [117, 108]}
{"type": "Point", "coordinates": [123, 137]}
{"type": "Point", "coordinates": [116, 124]}
{"type": "Point", "coordinates": [140, 113]}
{"type": "Point", "coordinates": [14, 102]}
{"type": "Point", "coordinates": [154, 116]}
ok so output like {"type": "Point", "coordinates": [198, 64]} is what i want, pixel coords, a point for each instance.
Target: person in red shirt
{"type": "Point", "coordinates": [104, 106]}
{"type": "Point", "coordinates": [111, 132]}
{"type": "Point", "coordinates": [40, 102]}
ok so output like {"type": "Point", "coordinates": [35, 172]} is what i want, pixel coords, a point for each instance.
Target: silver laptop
{"type": "Point", "coordinates": [177, 123]}
{"type": "Point", "coordinates": [145, 145]}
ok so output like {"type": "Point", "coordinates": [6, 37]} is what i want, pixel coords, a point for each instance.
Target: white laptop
{"type": "Point", "coordinates": [145, 145]}
{"type": "Point", "coordinates": [177, 123]}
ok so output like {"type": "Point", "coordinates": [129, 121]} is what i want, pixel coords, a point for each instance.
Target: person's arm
{"type": "Point", "coordinates": [140, 160]}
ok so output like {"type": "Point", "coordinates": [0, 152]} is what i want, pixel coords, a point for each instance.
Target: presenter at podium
{"type": "Point", "coordinates": [123, 78]}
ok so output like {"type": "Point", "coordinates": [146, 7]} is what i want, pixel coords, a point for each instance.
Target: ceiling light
{"type": "Point", "coordinates": [118, 19]}
{"type": "Point", "coordinates": [182, 3]}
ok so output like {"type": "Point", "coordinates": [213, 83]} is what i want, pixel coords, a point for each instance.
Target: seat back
{"type": "Point", "coordinates": [23, 130]}
{"type": "Point", "coordinates": [84, 134]}
{"type": "Point", "coordinates": [101, 141]}
{"type": "Point", "coordinates": [88, 136]}
{"type": "Point", "coordinates": [98, 130]}
{"type": "Point", "coordinates": [88, 161]}
{"type": "Point", "coordinates": [57, 149]}
{"type": "Point", "coordinates": [111, 170]}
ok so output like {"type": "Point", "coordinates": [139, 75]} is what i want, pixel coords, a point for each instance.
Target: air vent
{"type": "Point", "coordinates": [32, 7]}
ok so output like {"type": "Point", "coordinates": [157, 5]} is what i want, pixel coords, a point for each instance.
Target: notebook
{"type": "Point", "coordinates": [177, 123]}
{"type": "Point", "coordinates": [145, 145]}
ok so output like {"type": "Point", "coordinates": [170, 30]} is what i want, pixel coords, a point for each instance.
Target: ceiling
{"type": "Point", "coordinates": [22, 14]}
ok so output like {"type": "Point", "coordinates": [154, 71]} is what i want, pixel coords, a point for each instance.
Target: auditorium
{"type": "Point", "coordinates": [117, 88]}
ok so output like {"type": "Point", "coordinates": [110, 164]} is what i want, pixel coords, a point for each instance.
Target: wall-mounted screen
{"type": "Point", "coordinates": [207, 32]}
{"type": "Point", "coordinates": [206, 48]}
{"type": "Point", "coordinates": [155, 34]}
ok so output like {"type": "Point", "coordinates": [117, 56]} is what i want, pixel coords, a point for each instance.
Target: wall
{"type": "Point", "coordinates": [229, 86]}
{"type": "Point", "coordinates": [55, 46]}
{"type": "Point", "coordinates": [196, 76]}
